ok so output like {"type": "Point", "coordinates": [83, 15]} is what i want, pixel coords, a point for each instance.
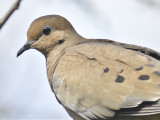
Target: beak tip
{"type": "Point", "coordinates": [20, 52]}
{"type": "Point", "coordinates": [17, 55]}
{"type": "Point", "coordinates": [24, 48]}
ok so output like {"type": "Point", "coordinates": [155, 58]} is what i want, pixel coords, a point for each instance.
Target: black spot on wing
{"type": "Point", "coordinates": [140, 68]}
{"type": "Point", "coordinates": [144, 77]}
{"type": "Point", "coordinates": [106, 70]}
{"type": "Point", "coordinates": [120, 79]}
{"type": "Point", "coordinates": [121, 71]}
{"type": "Point", "coordinates": [157, 73]}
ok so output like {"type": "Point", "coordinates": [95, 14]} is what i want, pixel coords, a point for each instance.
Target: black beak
{"type": "Point", "coordinates": [25, 47]}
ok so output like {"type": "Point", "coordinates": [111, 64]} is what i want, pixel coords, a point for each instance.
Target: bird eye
{"type": "Point", "coordinates": [46, 30]}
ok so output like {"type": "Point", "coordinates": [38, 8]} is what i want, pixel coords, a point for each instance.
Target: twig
{"type": "Point", "coordinates": [9, 13]}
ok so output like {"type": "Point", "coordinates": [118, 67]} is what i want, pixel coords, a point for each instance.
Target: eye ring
{"type": "Point", "coordinates": [47, 30]}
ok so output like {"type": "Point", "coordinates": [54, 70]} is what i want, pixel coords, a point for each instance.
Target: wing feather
{"type": "Point", "coordinates": [101, 80]}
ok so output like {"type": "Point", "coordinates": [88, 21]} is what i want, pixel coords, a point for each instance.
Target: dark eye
{"type": "Point", "coordinates": [46, 30]}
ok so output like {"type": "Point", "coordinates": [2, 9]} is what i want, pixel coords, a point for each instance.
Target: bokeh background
{"type": "Point", "coordinates": [24, 89]}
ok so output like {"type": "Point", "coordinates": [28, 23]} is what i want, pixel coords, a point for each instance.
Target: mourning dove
{"type": "Point", "coordinates": [97, 79]}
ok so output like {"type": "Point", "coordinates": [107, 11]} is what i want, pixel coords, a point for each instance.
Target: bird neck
{"type": "Point", "coordinates": [53, 57]}
{"type": "Point", "coordinates": [51, 62]}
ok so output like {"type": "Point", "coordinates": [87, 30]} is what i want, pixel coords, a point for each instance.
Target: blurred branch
{"type": "Point", "coordinates": [9, 13]}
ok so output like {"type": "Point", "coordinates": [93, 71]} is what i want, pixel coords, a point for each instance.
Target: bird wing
{"type": "Point", "coordinates": [98, 80]}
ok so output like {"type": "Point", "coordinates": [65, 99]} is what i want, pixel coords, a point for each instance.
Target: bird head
{"type": "Point", "coordinates": [48, 32]}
